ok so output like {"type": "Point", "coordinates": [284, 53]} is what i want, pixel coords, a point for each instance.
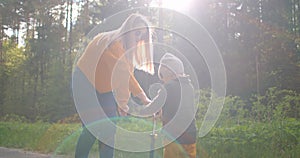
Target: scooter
{"type": "Point", "coordinates": [153, 135]}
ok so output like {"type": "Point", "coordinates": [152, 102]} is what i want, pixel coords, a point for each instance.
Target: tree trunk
{"type": "Point", "coordinates": [70, 34]}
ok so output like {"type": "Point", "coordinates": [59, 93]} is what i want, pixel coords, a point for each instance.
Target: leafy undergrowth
{"type": "Point", "coordinates": [276, 139]}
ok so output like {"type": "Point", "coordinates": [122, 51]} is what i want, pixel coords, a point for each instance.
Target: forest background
{"type": "Point", "coordinates": [259, 41]}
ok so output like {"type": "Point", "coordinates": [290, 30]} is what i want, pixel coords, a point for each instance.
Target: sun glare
{"type": "Point", "coordinates": [178, 5]}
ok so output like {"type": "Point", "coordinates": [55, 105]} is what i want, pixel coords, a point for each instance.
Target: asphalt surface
{"type": "Point", "coordinates": [18, 153]}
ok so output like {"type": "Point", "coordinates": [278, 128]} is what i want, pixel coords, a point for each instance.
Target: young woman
{"type": "Point", "coordinates": [105, 70]}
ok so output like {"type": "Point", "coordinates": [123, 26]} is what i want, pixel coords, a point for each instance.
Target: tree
{"type": "Point", "coordinates": [256, 41]}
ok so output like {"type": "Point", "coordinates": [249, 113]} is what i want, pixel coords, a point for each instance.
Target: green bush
{"type": "Point", "coordinates": [276, 104]}
{"type": "Point", "coordinates": [279, 139]}
{"type": "Point", "coordinates": [263, 126]}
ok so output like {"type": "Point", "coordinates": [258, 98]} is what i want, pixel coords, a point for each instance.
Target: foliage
{"type": "Point", "coordinates": [14, 56]}
{"type": "Point", "coordinates": [276, 139]}
{"type": "Point", "coordinates": [275, 105]}
{"type": "Point", "coordinates": [13, 67]}
{"type": "Point", "coordinates": [258, 40]}
{"type": "Point", "coordinates": [14, 118]}
{"type": "Point", "coordinates": [39, 41]}
{"type": "Point", "coordinates": [263, 126]}
{"type": "Point", "coordinates": [234, 111]}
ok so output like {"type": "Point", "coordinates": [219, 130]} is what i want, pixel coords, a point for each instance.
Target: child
{"type": "Point", "coordinates": [178, 109]}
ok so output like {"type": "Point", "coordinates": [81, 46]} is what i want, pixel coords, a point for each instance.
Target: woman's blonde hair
{"type": "Point", "coordinates": [142, 59]}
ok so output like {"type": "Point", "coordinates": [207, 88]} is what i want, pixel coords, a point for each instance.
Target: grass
{"type": "Point", "coordinates": [263, 140]}
{"type": "Point", "coordinates": [41, 137]}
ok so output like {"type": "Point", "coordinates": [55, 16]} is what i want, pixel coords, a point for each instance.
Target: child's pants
{"type": "Point", "coordinates": [175, 150]}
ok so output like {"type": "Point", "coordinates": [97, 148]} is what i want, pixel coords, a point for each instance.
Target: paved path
{"type": "Point", "coordinates": [18, 153]}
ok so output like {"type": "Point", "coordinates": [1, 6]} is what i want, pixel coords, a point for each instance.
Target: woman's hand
{"type": "Point", "coordinates": [123, 110]}
{"type": "Point", "coordinates": [145, 100]}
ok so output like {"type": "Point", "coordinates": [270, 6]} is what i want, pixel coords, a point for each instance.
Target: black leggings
{"type": "Point", "coordinates": [86, 97]}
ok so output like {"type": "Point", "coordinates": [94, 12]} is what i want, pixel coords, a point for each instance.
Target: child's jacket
{"type": "Point", "coordinates": [178, 112]}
